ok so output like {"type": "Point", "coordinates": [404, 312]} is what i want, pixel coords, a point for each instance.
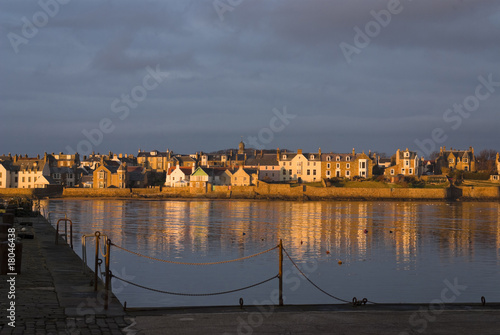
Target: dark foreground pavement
{"type": "Point", "coordinates": [54, 296]}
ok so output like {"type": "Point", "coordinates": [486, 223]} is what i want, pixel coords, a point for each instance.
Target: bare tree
{"type": "Point", "coordinates": [486, 160]}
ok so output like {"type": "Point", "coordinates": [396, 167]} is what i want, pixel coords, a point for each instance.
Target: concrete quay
{"type": "Point", "coordinates": [53, 296]}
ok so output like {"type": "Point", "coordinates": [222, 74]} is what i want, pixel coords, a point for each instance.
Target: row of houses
{"type": "Point", "coordinates": [233, 167]}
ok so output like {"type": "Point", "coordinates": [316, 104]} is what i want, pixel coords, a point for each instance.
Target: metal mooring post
{"type": "Point", "coordinates": [96, 268]}
{"type": "Point", "coordinates": [106, 286]}
{"type": "Point", "coordinates": [280, 274]}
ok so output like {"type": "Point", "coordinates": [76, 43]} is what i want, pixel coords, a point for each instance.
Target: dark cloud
{"type": "Point", "coordinates": [225, 77]}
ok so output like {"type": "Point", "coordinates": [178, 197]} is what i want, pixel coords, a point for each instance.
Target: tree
{"type": "Point", "coordinates": [486, 160]}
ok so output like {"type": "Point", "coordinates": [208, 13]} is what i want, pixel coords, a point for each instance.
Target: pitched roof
{"type": "Point", "coordinates": [186, 170]}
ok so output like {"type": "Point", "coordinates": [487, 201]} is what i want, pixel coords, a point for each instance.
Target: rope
{"type": "Point", "coordinates": [186, 263]}
{"type": "Point", "coordinates": [195, 294]}
{"type": "Point", "coordinates": [105, 239]}
{"type": "Point", "coordinates": [319, 288]}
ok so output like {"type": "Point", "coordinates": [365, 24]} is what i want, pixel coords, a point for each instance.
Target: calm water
{"type": "Point", "coordinates": [409, 251]}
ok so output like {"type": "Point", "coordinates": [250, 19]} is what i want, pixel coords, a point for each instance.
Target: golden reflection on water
{"type": "Point", "coordinates": [344, 230]}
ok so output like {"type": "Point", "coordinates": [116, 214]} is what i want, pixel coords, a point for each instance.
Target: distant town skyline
{"type": "Point", "coordinates": [194, 76]}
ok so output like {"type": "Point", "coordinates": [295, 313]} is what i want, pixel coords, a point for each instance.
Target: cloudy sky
{"type": "Point", "coordinates": [187, 75]}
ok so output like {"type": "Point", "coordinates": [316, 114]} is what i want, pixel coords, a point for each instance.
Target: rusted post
{"type": "Point", "coordinates": [280, 273]}
{"type": "Point", "coordinates": [106, 285]}
{"type": "Point", "coordinates": [96, 268]}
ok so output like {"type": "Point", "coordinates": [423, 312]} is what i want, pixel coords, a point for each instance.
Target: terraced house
{"type": "Point", "coordinates": [346, 165]}
{"type": "Point", "coordinates": [407, 163]}
{"type": "Point", "coordinates": [300, 167]}
{"type": "Point", "coordinates": [453, 159]}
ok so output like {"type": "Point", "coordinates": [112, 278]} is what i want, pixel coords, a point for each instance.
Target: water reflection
{"type": "Point", "coordinates": [384, 246]}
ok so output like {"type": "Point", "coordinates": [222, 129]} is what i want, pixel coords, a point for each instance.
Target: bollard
{"type": "Point", "coordinates": [4, 257]}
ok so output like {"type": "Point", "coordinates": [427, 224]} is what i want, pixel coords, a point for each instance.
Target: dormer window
{"type": "Point", "coordinates": [407, 154]}
{"type": "Point", "coordinates": [338, 158]}
{"type": "Point", "coordinates": [311, 157]}
{"type": "Point", "coordinates": [328, 158]}
{"type": "Point", "coordinates": [284, 156]}
{"type": "Point", "coordinates": [348, 158]}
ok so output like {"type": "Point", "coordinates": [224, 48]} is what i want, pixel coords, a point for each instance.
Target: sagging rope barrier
{"type": "Point", "coordinates": [354, 301]}
{"type": "Point", "coordinates": [195, 294]}
{"type": "Point", "coordinates": [187, 263]}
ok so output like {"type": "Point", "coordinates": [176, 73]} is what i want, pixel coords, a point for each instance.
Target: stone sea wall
{"type": "Point", "coordinates": [270, 192]}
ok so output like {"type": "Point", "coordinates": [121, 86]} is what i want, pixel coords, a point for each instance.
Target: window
{"type": "Point", "coordinates": [311, 157]}
{"type": "Point", "coordinates": [348, 158]}
{"type": "Point", "coordinates": [466, 160]}
{"type": "Point", "coordinates": [284, 172]}
{"type": "Point", "coordinates": [451, 160]}
{"type": "Point", "coordinates": [101, 175]}
{"type": "Point", "coordinates": [328, 173]}
{"type": "Point", "coordinates": [466, 168]}
{"type": "Point", "coordinates": [314, 172]}
{"type": "Point", "coordinates": [407, 154]}
{"type": "Point", "coordinates": [308, 172]}
{"type": "Point", "coordinates": [29, 179]}
{"type": "Point", "coordinates": [15, 179]}
{"type": "Point", "coordinates": [392, 172]}
{"type": "Point", "coordinates": [403, 171]}
{"type": "Point", "coordinates": [347, 174]}
{"type": "Point", "coordinates": [338, 159]}
{"type": "Point", "coordinates": [363, 165]}
{"type": "Point", "coordinates": [0, 174]}
{"type": "Point", "coordinates": [338, 166]}
{"type": "Point", "coordinates": [308, 163]}
{"type": "Point", "coordinates": [314, 164]}
{"type": "Point", "coordinates": [411, 171]}
{"type": "Point", "coordinates": [328, 158]}
{"type": "Point", "coordinates": [407, 163]}
{"type": "Point", "coordinates": [235, 178]}
{"type": "Point", "coordinates": [328, 165]}
{"type": "Point", "coordinates": [0, 183]}
{"type": "Point", "coordinates": [290, 172]}
{"type": "Point", "coordinates": [284, 156]}
{"type": "Point", "coordinates": [348, 165]}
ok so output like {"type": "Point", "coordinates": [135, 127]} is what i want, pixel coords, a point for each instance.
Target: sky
{"type": "Point", "coordinates": [191, 76]}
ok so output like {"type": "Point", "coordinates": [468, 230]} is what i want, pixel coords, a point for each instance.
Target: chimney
{"type": "Point", "coordinates": [299, 152]}
{"type": "Point", "coordinates": [278, 154]}
{"type": "Point", "coordinates": [319, 152]}
{"type": "Point", "coordinates": [15, 158]}
{"type": "Point", "coordinates": [444, 148]}
{"type": "Point", "coordinates": [353, 151]}
{"type": "Point", "coordinates": [255, 153]}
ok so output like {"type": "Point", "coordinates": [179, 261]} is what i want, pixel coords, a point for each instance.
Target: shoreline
{"type": "Point", "coordinates": [267, 192]}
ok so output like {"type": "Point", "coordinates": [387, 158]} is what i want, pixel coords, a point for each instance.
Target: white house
{"type": "Point", "coordinates": [301, 167]}
{"type": "Point", "coordinates": [178, 176]}
{"type": "Point", "coordinates": [8, 175]}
